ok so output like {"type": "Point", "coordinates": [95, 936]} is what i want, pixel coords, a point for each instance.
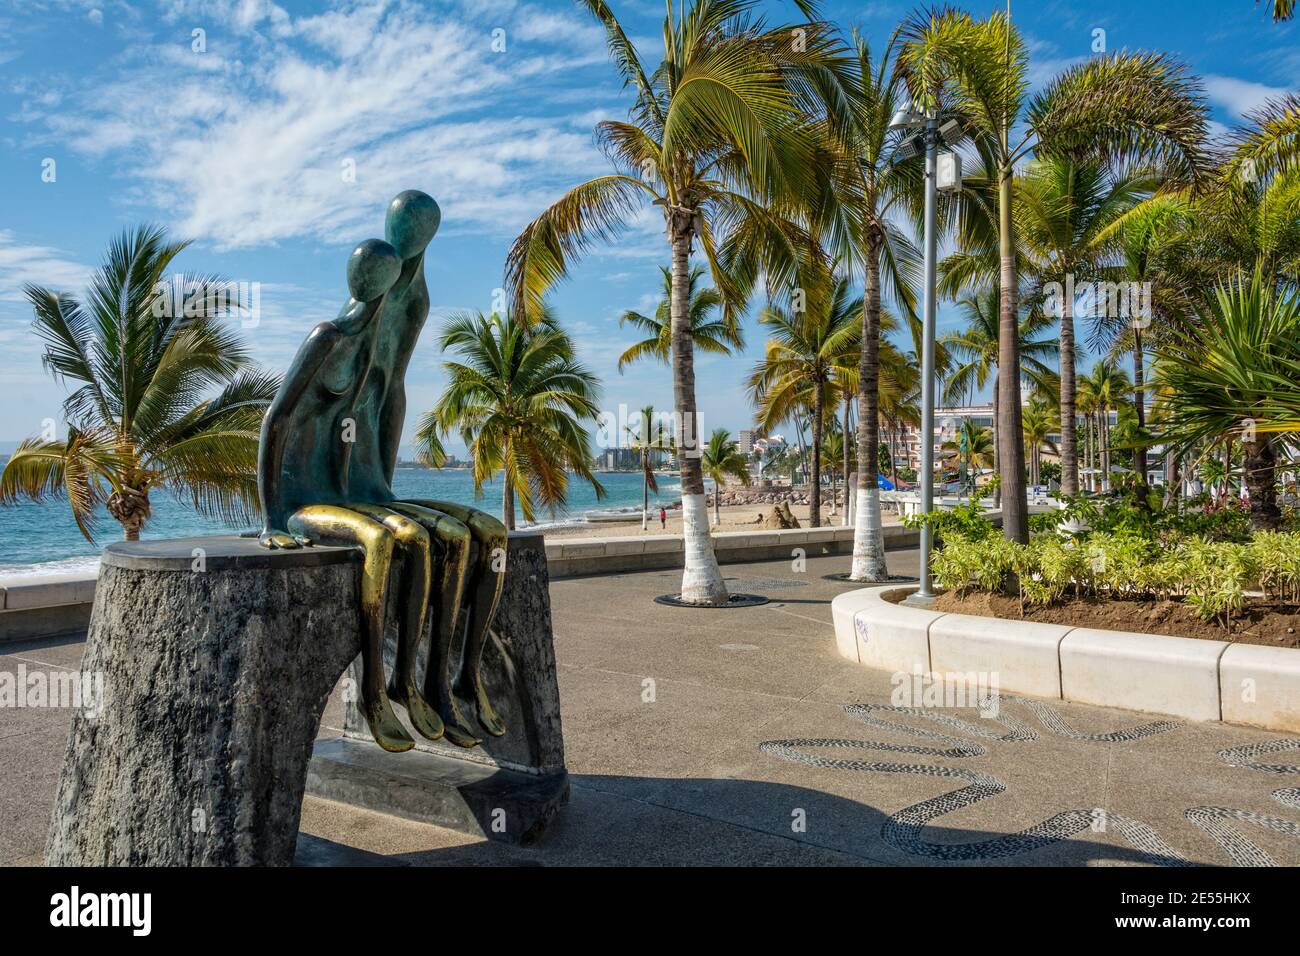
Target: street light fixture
{"type": "Point", "coordinates": [930, 134]}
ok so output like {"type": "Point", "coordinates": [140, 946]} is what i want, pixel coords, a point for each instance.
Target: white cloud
{"type": "Point", "coordinates": [38, 265]}
{"type": "Point", "coordinates": [250, 143]}
{"type": "Point", "coordinates": [1239, 96]}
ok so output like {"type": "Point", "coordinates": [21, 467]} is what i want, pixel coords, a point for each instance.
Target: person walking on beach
{"type": "Point", "coordinates": [663, 518]}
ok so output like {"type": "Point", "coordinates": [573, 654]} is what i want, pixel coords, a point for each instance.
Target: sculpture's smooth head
{"type": "Point", "coordinates": [373, 267]}
{"type": "Point", "coordinates": [412, 221]}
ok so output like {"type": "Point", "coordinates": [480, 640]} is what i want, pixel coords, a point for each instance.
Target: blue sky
{"type": "Point", "coordinates": [242, 147]}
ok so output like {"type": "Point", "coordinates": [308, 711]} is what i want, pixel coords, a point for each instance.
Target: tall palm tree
{"type": "Point", "coordinates": [519, 399]}
{"type": "Point", "coordinates": [649, 440]}
{"type": "Point", "coordinates": [1105, 389]}
{"type": "Point", "coordinates": [1126, 107]}
{"type": "Point", "coordinates": [719, 137]}
{"type": "Point", "coordinates": [708, 333]}
{"type": "Point", "coordinates": [1040, 421]}
{"type": "Point", "coordinates": [1063, 211]}
{"type": "Point", "coordinates": [720, 460]}
{"type": "Point", "coordinates": [1238, 379]}
{"type": "Point", "coordinates": [800, 366]}
{"type": "Point", "coordinates": [165, 394]}
{"type": "Point", "coordinates": [872, 188]}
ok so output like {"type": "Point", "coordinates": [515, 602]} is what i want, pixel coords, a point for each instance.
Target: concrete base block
{"type": "Point", "coordinates": [1261, 686]}
{"type": "Point", "coordinates": [1023, 654]}
{"type": "Point", "coordinates": [504, 805]}
{"type": "Point", "coordinates": [884, 635]}
{"type": "Point", "coordinates": [1165, 675]}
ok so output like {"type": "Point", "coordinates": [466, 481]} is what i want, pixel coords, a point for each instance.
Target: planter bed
{"type": "Point", "coordinates": [1266, 624]}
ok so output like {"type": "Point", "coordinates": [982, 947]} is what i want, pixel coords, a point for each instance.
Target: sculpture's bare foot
{"type": "Point", "coordinates": [457, 727]}
{"type": "Point", "coordinates": [487, 714]}
{"type": "Point", "coordinates": [424, 718]}
{"type": "Point", "coordinates": [386, 728]}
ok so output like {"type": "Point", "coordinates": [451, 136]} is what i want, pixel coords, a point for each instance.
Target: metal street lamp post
{"type": "Point", "coordinates": [930, 134]}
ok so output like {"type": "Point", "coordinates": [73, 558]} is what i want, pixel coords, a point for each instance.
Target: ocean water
{"type": "Point", "coordinates": [43, 538]}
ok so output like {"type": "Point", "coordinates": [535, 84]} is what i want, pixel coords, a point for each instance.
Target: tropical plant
{"type": "Point", "coordinates": [708, 333]}
{"type": "Point", "coordinates": [971, 449]}
{"type": "Point", "coordinates": [649, 440]}
{"type": "Point", "coordinates": [519, 398]}
{"type": "Point", "coordinates": [798, 368]}
{"type": "Point", "coordinates": [1102, 391]}
{"type": "Point", "coordinates": [719, 137]}
{"type": "Point", "coordinates": [1040, 421]}
{"type": "Point", "coordinates": [1124, 108]}
{"type": "Point", "coordinates": [721, 460]}
{"type": "Point", "coordinates": [1063, 213]}
{"type": "Point", "coordinates": [872, 184]}
{"type": "Point", "coordinates": [146, 352]}
{"type": "Point", "coordinates": [1238, 379]}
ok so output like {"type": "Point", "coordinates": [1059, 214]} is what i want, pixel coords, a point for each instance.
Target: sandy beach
{"type": "Point", "coordinates": [734, 518]}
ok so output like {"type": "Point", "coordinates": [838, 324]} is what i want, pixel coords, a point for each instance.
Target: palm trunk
{"type": "Point", "coordinates": [701, 578]}
{"type": "Point", "coordinates": [868, 534]}
{"type": "Point", "coordinates": [1261, 484]}
{"type": "Point", "coordinates": [1104, 426]}
{"type": "Point", "coordinates": [1069, 439]}
{"type": "Point", "coordinates": [1139, 408]}
{"type": "Point", "coordinates": [508, 503]}
{"type": "Point", "coordinates": [645, 492]}
{"type": "Point", "coordinates": [815, 480]}
{"type": "Point", "coordinates": [845, 473]}
{"type": "Point", "coordinates": [1173, 478]}
{"type": "Point", "coordinates": [1011, 460]}
{"type": "Point", "coordinates": [997, 431]}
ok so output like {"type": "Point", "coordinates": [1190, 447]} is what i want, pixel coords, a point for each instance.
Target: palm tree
{"type": "Point", "coordinates": [799, 369]}
{"type": "Point", "coordinates": [1063, 211]}
{"type": "Point", "coordinates": [143, 349]}
{"type": "Point", "coordinates": [720, 460]}
{"type": "Point", "coordinates": [871, 187]}
{"type": "Point", "coordinates": [1104, 389]}
{"type": "Point", "coordinates": [519, 399]}
{"type": "Point", "coordinates": [708, 333]}
{"type": "Point", "coordinates": [1126, 107]}
{"type": "Point", "coordinates": [975, 351]}
{"type": "Point", "coordinates": [649, 440]}
{"type": "Point", "coordinates": [971, 450]}
{"type": "Point", "coordinates": [1040, 422]}
{"type": "Point", "coordinates": [1238, 379]}
{"type": "Point", "coordinates": [718, 136]}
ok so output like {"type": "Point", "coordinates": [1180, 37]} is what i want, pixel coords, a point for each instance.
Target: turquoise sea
{"type": "Point", "coordinates": [42, 538]}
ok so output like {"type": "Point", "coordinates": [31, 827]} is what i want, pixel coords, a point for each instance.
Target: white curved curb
{"type": "Point", "coordinates": [1196, 679]}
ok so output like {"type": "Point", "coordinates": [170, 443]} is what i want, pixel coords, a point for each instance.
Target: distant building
{"type": "Point", "coordinates": [745, 443]}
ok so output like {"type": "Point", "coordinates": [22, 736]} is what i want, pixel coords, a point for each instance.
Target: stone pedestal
{"type": "Point", "coordinates": [508, 788]}
{"type": "Point", "coordinates": [217, 658]}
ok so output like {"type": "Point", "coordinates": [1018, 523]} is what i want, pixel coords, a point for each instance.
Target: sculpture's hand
{"type": "Point", "coordinates": [273, 539]}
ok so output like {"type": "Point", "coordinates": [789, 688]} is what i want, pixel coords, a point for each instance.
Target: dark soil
{"type": "Point", "coordinates": [1273, 625]}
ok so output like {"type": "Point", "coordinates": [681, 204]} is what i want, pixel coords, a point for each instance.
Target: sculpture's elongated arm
{"type": "Point", "coordinates": [306, 366]}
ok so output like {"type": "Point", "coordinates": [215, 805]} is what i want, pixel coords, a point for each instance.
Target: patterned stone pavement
{"type": "Point", "coordinates": [740, 737]}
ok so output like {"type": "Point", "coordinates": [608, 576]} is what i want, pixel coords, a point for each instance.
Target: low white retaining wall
{"type": "Point", "coordinates": [570, 557]}
{"type": "Point", "coordinates": [1185, 677]}
{"type": "Point", "coordinates": [42, 605]}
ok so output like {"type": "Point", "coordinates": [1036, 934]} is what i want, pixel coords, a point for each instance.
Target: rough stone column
{"type": "Point", "coordinates": [217, 658]}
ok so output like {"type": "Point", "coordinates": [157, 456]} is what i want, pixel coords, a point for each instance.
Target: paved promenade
{"type": "Point", "coordinates": [740, 737]}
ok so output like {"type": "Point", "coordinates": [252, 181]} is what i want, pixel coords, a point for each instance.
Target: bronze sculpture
{"type": "Point", "coordinates": [325, 470]}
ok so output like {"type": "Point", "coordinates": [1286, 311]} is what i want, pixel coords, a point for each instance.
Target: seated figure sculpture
{"type": "Point", "coordinates": [325, 466]}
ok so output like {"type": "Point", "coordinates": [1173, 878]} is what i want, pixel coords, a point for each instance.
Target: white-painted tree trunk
{"type": "Point", "coordinates": [868, 538]}
{"type": "Point", "coordinates": [702, 578]}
